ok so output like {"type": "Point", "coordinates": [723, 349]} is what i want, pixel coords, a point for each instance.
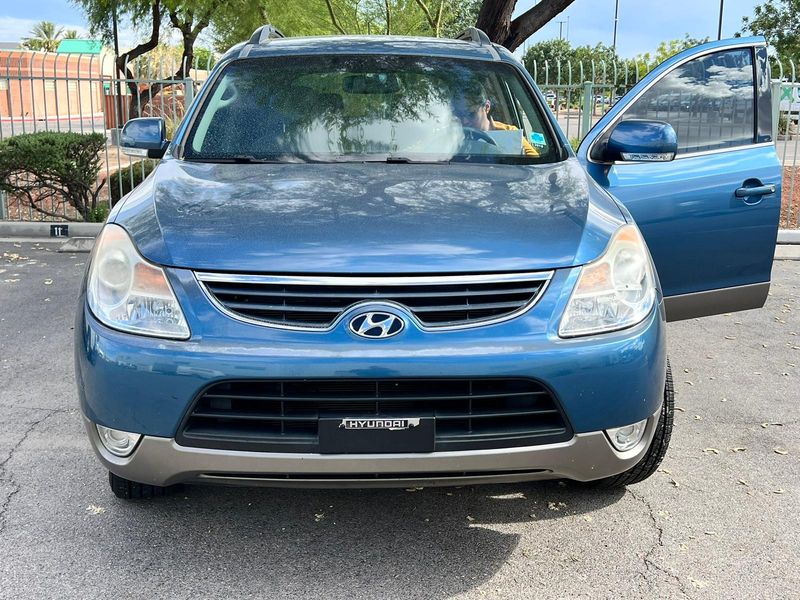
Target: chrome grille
{"type": "Point", "coordinates": [283, 415]}
{"type": "Point", "coordinates": [316, 302]}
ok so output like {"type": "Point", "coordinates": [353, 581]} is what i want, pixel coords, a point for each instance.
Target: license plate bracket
{"type": "Point", "coordinates": [376, 435]}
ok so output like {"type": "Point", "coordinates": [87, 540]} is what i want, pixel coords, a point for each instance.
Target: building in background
{"type": "Point", "coordinates": [45, 86]}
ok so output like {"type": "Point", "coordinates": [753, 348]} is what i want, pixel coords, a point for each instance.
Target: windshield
{"type": "Point", "coordinates": [334, 108]}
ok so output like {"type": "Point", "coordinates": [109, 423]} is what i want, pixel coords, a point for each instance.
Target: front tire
{"type": "Point", "coordinates": [658, 446]}
{"type": "Point", "coordinates": [132, 490]}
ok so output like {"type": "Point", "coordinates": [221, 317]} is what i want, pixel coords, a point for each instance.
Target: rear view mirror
{"type": "Point", "coordinates": [145, 137]}
{"type": "Point", "coordinates": [638, 140]}
{"type": "Point", "coordinates": [371, 83]}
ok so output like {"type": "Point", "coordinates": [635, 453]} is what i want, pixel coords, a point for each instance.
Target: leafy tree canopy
{"type": "Point", "coordinates": [561, 51]}
{"type": "Point", "coordinates": [45, 35]}
{"type": "Point", "coordinates": [777, 21]}
{"type": "Point", "coordinates": [668, 49]}
{"type": "Point", "coordinates": [239, 18]}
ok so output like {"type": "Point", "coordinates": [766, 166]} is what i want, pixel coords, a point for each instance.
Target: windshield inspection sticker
{"type": "Point", "coordinates": [537, 139]}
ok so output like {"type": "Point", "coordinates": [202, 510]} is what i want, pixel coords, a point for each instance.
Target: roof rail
{"type": "Point", "coordinates": [264, 34]}
{"type": "Point", "coordinates": [473, 34]}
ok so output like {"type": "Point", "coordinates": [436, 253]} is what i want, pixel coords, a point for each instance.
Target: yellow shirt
{"type": "Point", "coordinates": [526, 145]}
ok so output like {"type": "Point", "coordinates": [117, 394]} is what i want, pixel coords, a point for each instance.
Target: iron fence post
{"type": "Point", "coordinates": [3, 207]}
{"type": "Point", "coordinates": [586, 112]}
{"type": "Point", "coordinates": [188, 92]}
{"type": "Point", "coordinates": [776, 104]}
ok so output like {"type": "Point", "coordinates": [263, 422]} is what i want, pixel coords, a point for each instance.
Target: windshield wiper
{"type": "Point", "coordinates": [405, 160]}
{"type": "Point", "coordinates": [240, 159]}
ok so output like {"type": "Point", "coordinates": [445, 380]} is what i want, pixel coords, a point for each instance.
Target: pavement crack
{"type": "Point", "coordinates": [649, 562]}
{"type": "Point", "coordinates": [39, 408]}
{"type": "Point", "coordinates": [8, 476]}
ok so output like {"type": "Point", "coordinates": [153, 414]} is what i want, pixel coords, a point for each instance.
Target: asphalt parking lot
{"type": "Point", "coordinates": [721, 519]}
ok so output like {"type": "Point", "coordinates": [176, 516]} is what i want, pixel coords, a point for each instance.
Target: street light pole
{"type": "Point", "coordinates": [719, 29]}
{"type": "Point", "coordinates": [616, 20]}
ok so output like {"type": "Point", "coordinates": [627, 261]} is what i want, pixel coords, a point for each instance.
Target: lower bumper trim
{"type": "Point", "coordinates": [320, 480]}
{"type": "Point", "coordinates": [162, 461]}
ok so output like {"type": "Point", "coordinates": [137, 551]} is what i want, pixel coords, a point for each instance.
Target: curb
{"type": "Point", "coordinates": [22, 229]}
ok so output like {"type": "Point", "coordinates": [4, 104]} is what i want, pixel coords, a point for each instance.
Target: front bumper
{"type": "Point", "coordinates": [161, 461]}
{"type": "Point", "coordinates": [147, 385]}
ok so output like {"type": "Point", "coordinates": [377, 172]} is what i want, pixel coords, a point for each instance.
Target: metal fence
{"type": "Point", "coordinates": [580, 93]}
{"type": "Point", "coordinates": [84, 93]}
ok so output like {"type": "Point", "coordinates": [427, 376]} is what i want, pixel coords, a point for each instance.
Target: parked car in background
{"type": "Point", "coordinates": [376, 261]}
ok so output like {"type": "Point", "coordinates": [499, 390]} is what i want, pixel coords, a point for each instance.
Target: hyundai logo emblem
{"type": "Point", "coordinates": [376, 325]}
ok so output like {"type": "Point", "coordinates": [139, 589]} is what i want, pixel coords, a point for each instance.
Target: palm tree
{"type": "Point", "coordinates": [44, 36]}
{"type": "Point", "coordinates": [71, 34]}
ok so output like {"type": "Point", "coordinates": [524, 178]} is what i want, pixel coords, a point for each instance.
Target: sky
{"type": "Point", "coordinates": [642, 23]}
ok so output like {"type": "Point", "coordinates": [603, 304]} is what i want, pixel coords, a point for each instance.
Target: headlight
{"type": "Point", "coordinates": [126, 292]}
{"type": "Point", "coordinates": [615, 291]}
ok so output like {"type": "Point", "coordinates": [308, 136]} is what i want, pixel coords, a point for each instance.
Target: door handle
{"type": "Point", "coordinates": [759, 190]}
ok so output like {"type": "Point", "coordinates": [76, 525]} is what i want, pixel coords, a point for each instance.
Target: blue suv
{"type": "Point", "coordinates": [376, 261]}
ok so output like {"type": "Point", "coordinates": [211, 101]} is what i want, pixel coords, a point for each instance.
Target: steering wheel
{"type": "Point", "coordinates": [470, 133]}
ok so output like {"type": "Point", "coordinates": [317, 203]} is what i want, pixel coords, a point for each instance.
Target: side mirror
{"type": "Point", "coordinates": [638, 140]}
{"type": "Point", "coordinates": [145, 137]}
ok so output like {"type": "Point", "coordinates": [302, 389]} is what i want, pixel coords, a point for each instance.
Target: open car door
{"type": "Point", "coordinates": [689, 152]}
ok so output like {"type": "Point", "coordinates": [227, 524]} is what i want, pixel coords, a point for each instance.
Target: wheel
{"type": "Point", "coordinates": [658, 447]}
{"type": "Point", "coordinates": [131, 490]}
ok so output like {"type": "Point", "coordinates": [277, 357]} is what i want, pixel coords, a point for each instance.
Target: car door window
{"type": "Point", "coordinates": [709, 101]}
{"type": "Point", "coordinates": [712, 246]}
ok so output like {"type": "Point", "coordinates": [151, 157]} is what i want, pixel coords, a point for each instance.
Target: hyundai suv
{"type": "Point", "coordinates": [376, 261]}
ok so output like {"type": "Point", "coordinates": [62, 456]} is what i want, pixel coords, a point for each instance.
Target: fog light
{"type": "Point", "coordinates": [625, 438]}
{"type": "Point", "coordinates": [119, 443]}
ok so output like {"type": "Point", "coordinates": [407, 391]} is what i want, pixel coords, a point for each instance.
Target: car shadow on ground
{"type": "Point", "coordinates": [431, 543]}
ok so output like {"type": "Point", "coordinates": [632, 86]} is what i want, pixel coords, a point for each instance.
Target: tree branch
{"type": "Point", "coordinates": [388, 17]}
{"type": "Point", "coordinates": [44, 211]}
{"type": "Point", "coordinates": [124, 59]}
{"type": "Point", "coordinates": [189, 34]}
{"type": "Point", "coordinates": [334, 19]}
{"type": "Point", "coordinates": [532, 20]}
{"type": "Point", "coordinates": [428, 15]}
{"type": "Point", "coordinates": [494, 18]}
{"type": "Point", "coordinates": [438, 29]}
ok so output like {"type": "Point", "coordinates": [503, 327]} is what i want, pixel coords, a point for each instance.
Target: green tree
{"type": "Point", "coordinates": [593, 59]}
{"type": "Point", "coordinates": [647, 61]}
{"type": "Point", "coordinates": [237, 20]}
{"type": "Point", "coordinates": [462, 14]}
{"type": "Point", "coordinates": [598, 54]}
{"type": "Point", "coordinates": [71, 34]}
{"type": "Point", "coordinates": [189, 17]}
{"type": "Point", "coordinates": [550, 51]}
{"type": "Point", "coordinates": [204, 58]}
{"type": "Point", "coordinates": [777, 21]}
{"type": "Point", "coordinates": [104, 16]}
{"type": "Point", "coordinates": [45, 35]}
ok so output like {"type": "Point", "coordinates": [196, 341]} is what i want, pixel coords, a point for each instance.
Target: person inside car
{"type": "Point", "coordinates": [473, 108]}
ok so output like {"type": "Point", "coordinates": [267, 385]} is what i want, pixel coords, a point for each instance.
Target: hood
{"type": "Point", "coordinates": [368, 218]}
